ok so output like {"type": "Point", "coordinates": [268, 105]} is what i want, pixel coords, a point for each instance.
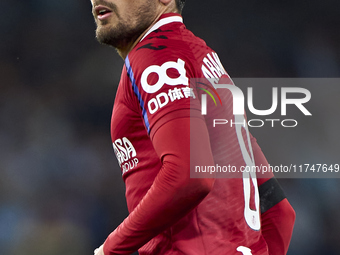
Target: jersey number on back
{"type": "Point", "coordinates": [251, 216]}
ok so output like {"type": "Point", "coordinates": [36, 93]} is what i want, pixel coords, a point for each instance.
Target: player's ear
{"type": "Point", "coordinates": [169, 4]}
{"type": "Point", "coordinates": [166, 2]}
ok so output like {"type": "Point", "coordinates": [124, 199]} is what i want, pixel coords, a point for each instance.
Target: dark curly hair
{"type": "Point", "coordinates": [180, 5]}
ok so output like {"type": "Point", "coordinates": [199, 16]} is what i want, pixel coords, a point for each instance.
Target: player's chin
{"type": "Point", "coordinates": [103, 32]}
{"type": "Point", "coordinates": [105, 36]}
{"type": "Point", "coordinates": [102, 39]}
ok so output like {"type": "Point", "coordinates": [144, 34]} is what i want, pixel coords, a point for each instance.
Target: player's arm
{"type": "Point", "coordinates": [277, 215]}
{"type": "Point", "coordinates": [173, 193]}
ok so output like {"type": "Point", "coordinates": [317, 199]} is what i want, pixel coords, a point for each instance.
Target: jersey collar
{"type": "Point", "coordinates": [164, 19]}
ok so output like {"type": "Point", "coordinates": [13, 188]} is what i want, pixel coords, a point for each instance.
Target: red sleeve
{"type": "Point", "coordinates": [277, 227]}
{"type": "Point", "coordinates": [173, 193]}
{"type": "Point", "coordinates": [278, 216]}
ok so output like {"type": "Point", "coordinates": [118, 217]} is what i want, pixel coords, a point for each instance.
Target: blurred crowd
{"type": "Point", "coordinates": [61, 190]}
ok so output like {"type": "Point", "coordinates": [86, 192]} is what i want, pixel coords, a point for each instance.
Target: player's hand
{"type": "Point", "coordinates": [99, 251]}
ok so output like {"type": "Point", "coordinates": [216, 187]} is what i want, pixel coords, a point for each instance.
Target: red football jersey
{"type": "Point", "coordinates": [155, 89]}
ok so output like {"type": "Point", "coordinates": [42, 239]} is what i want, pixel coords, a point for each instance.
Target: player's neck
{"type": "Point", "coordinates": [123, 52]}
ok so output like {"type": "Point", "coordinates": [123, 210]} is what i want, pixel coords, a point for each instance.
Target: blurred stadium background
{"type": "Point", "coordinates": [61, 191]}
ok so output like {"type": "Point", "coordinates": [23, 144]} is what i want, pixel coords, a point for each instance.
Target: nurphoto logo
{"type": "Point", "coordinates": [295, 96]}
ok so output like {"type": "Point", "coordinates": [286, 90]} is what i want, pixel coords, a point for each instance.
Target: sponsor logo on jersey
{"type": "Point", "coordinates": [163, 77]}
{"type": "Point", "coordinates": [152, 47]}
{"type": "Point", "coordinates": [126, 154]}
{"type": "Point", "coordinates": [172, 95]}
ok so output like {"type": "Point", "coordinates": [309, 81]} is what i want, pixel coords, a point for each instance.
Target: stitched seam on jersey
{"type": "Point", "coordinates": [163, 22]}
{"type": "Point", "coordinates": [137, 93]}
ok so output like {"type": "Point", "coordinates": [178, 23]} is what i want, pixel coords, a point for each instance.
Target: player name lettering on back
{"type": "Point", "coordinates": [212, 66]}
{"type": "Point", "coordinates": [125, 153]}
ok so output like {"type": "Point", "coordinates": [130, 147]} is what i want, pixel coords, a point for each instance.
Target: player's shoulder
{"type": "Point", "coordinates": [159, 48]}
{"type": "Point", "coordinates": [168, 43]}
